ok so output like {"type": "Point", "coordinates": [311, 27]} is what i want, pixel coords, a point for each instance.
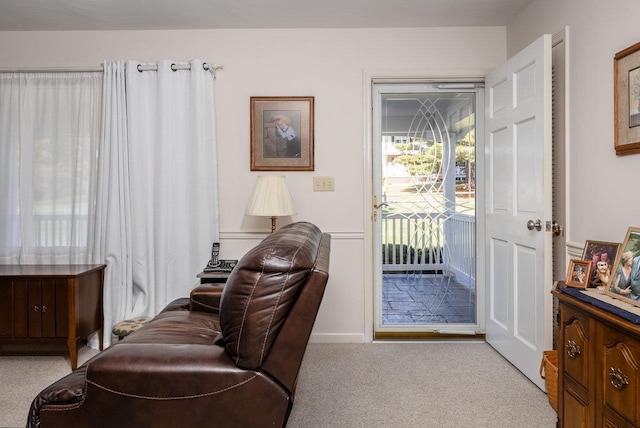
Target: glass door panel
{"type": "Point", "coordinates": [424, 180]}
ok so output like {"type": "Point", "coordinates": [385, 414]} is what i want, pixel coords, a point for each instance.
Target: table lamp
{"type": "Point", "coordinates": [271, 198]}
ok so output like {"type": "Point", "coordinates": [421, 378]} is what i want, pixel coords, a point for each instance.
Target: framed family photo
{"type": "Point", "coordinates": [602, 255]}
{"type": "Point", "coordinates": [282, 133]}
{"type": "Point", "coordinates": [578, 273]}
{"type": "Point", "coordinates": [625, 278]}
{"type": "Point", "coordinates": [626, 75]}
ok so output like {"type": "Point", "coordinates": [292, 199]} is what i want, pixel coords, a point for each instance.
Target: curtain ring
{"type": "Point", "coordinates": [138, 67]}
{"type": "Point", "coordinates": [173, 67]}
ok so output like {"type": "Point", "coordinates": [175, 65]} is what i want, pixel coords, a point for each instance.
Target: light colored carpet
{"type": "Point", "coordinates": [22, 377]}
{"type": "Point", "coordinates": [422, 385]}
{"type": "Point", "coordinates": [386, 384]}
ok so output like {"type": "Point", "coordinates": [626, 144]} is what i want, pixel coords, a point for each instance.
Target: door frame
{"type": "Point", "coordinates": [369, 78]}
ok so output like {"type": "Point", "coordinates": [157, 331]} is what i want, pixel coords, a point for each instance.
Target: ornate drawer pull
{"type": "Point", "coordinates": [618, 380]}
{"type": "Point", "coordinates": [573, 350]}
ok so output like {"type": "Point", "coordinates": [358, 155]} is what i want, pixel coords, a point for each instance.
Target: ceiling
{"type": "Point", "coordinates": [61, 15]}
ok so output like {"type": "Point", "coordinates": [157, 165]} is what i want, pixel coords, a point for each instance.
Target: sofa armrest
{"type": "Point", "coordinates": [148, 385]}
{"type": "Point", "coordinates": [166, 371]}
{"type": "Point", "coordinates": [68, 391]}
{"type": "Point", "coordinates": [206, 298]}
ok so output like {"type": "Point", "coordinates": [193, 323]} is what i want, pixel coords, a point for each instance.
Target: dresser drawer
{"type": "Point", "coordinates": [621, 374]}
{"type": "Point", "coordinates": [576, 345]}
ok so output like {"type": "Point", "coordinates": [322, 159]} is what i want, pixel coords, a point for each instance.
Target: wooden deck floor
{"type": "Point", "coordinates": [426, 299]}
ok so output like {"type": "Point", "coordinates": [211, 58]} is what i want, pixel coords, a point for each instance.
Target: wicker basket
{"type": "Point", "coordinates": [549, 372]}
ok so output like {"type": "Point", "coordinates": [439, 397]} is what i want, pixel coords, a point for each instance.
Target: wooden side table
{"type": "Point", "coordinates": [213, 277]}
{"type": "Point", "coordinates": [51, 304]}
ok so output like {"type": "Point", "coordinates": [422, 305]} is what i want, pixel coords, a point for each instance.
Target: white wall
{"type": "Point", "coordinates": [330, 65]}
{"type": "Point", "coordinates": [601, 192]}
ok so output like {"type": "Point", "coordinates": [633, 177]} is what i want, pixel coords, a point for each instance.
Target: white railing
{"type": "Point", "coordinates": [412, 242]}
{"type": "Point", "coordinates": [461, 234]}
{"type": "Point", "coordinates": [428, 242]}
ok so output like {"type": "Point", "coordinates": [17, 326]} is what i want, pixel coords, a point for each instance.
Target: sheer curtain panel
{"type": "Point", "coordinates": [49, 131]}
{"type": "Point", "coordinates": [162, 205]}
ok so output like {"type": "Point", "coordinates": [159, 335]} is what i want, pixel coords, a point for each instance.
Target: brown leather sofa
{"type": "Point", "coordinates": [224, 357]}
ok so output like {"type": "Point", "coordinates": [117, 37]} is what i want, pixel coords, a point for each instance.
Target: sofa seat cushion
{"type": "Point", "coordinates": [178, 327]}
{"type": "Point", "coordinates": [263, 288]}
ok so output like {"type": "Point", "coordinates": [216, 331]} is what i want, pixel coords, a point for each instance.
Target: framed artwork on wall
{"type": "Point", "coordinates": [282, 133]}
{"type": "Point", "coordinates": [602, 256]}
{"type": "Point", "coordinates": [578, 273]}
{"type": "Point", "coordinates": [625, 279]}
{"type": "Point", "coordinates": [626, 75]}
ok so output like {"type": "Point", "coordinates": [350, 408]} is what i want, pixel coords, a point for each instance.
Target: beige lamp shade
{"type": "Point", "coordinates": [271, 198]}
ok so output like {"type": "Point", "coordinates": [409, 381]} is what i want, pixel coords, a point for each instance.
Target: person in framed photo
{"type": "Point", "coordinates": [579, 274]}
{"type": "Point", "coordinates": [285, 131]}
{"type": "Point", "coordinates": [605, 257]}
{"type": "Point", "coordinates": [595, 258]}
{"type": "Point", "coordinates": [622, 279]}
{"type": "Point", "coordinates": [634, 279]}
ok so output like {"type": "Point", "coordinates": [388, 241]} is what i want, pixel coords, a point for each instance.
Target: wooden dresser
{"type": "Point", "coordinates": [598, 366]}
{"type": "Point", "coordinates": [51, 304]}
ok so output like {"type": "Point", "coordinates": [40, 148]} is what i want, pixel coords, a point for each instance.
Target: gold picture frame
{"type": "Point", "coordinates": [578, 273]}
{"type": "Point", "coordinates": [598, 252]}
{"type": "Point", "coordinates": [625, 277]}
{"type": "Point", "coordinates": [626, 106]}
{"type": "Point", "coordinates": [282, 133]}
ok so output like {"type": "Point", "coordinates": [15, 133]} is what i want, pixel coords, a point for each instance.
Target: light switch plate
{"type": "Point", "coordinates": [323, 184]}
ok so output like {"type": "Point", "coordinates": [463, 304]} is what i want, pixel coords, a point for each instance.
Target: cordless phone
{"type": "Point", "coordinates": [215, 253]}
{"type": "Point", "coordinates": [217, 265]}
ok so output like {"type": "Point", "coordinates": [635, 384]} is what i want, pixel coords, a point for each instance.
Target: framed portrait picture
{"type": "Point", "coordinates": [626, 75]}
{"type": "Point", "coordinates": [282, 133]}
{"type": "Point", "coordinates": [578, 273]}
{"type": "Point", "coordinates": [625, 277]}
{"type": "Point", "coordinates": [602, 255]}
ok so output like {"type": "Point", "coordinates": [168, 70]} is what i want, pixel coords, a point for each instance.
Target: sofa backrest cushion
{"type": "Point", "coordinates": [263, 288]}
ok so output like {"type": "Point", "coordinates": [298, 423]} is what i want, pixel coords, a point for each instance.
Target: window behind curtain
{"type": "Point", "coordinates": [49, 134]}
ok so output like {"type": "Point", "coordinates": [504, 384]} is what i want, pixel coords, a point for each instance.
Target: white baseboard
{"type": "Point", "coordinates": [336, 338]}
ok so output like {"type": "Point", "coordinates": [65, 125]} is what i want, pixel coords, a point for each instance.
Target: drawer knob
{"type": "Point", "coordinates": [36, 308]}
{"type": "Point", "coordinates": [573, 349]}
{"type": "Point", "coordinates": [617, 378]}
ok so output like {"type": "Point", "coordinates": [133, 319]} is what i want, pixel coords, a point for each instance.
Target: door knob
{"type": "Point", "coordinates": [537, 225]}
{"type": "Point", "coordinates": [556, 229]}
{"type": "Point", "coordinates": [376, 206]}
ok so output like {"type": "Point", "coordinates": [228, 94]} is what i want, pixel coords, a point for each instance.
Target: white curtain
{"type": "Point", "coordinates": [112, 231]}
{"type": "Point", "coordinates": [158, 189]}
{"type": "Point", "coordinates": [49, 129]}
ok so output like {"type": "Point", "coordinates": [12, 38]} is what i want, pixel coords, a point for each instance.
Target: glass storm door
{"type": "Point", "coordinates": [425, 175]}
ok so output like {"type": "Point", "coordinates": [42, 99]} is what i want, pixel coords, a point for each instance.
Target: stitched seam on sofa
{"type": "Point", "coordinates": [273, 313]}
{"type": "Point", "coordinates": [60, 407]}
{"type": "Point", "coordinates": [184, 397]}
{"type": "Point", "coordinates": [246, 309]}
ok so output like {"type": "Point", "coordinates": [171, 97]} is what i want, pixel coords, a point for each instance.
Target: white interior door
{"type": "Point", "coordinates": [518, 208]}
